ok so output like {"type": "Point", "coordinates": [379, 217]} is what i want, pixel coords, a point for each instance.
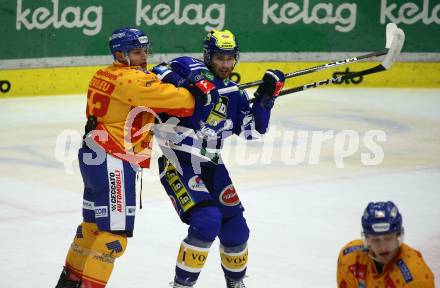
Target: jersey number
{"type": "Point", "coordinates": [97, 103]}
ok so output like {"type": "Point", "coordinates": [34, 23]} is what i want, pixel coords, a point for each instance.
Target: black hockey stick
{"type": "Point", "coordinates": [394, 50]}
{"type": "Point", "coordinates": [375, 69]}
{"type": "Point", "coordinates": [391, 30]}
{"type": "Point", "coordinates": [320, 67]}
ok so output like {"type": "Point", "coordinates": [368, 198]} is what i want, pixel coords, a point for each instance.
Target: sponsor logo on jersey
{"type": "Point", "coordinates": [219, 111]}
{"type": "Point", "coordinates": [352, 249]}
{"type": "Point", "coordinates": [235, 262]}
{"type": "Point", "coordinates": [116, 190]}
{"type": "Point", "coordinates": [131, 210]}
{"type": "Point", "coordinates": [191, 258]}
{"type": "Point", "coordinates": [196, 183]}
{"type": "Point", "coordinates": [170, 174]}
{"type": "Point", "coordinates": [404, 270]}
{"type": "Point", "coordinates": [114, 247]}
{"type": "Point", "coordinates": [101, 211]}
{"type": "Point", "coordinates": [185, 200]}
{"type": "Point", "coordinates": [116, 193]}
{"type": "Point", "coordinates": [107, 74]}
{"type": "Point", "coordinates": [208, 75]}
{"type": "Point", "coordinates": [204, 85]}
{"type": "Point", "coordinates": [358, 270]}
{"type": "Point", "coordinates": [88, 205]}
{"type": "Point", "coordinates": [180, 191]}
{"type": "Point", "coordinates": [229, 196]}
{"type": "Point", "coordinates": [177, 186]}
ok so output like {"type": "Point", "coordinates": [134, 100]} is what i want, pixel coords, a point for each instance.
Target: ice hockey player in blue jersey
{"type": "Point", "coordinates": [192, 171]}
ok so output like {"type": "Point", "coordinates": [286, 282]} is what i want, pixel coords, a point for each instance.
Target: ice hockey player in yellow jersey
{"type": "Point", "coordinates": [122, 101]}
{"type": "Point", "coordinates": [381, 259]}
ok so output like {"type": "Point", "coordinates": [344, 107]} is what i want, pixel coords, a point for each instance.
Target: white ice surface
{"type": "Point", "coordinates": [299, 215]}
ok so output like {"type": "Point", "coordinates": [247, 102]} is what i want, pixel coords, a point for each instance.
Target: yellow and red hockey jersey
{"type": "Point", "coordinates": [357, 269]}
{"type": "Point", "coordinates": [122, 98]}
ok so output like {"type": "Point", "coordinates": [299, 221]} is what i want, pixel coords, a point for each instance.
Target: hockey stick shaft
{"type": "Point", "coordinates": [321, 67]}
{"type": "Point", "coordinates": [394, 50]}
{"type": "Point", "coordinates": [339, 79]}
{"type": "Point", "coordinates": [308, 70]}
{"type": "Point", "coordinates": [375, 69]}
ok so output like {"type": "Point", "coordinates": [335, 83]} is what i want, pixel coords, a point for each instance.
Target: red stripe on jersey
{"type": "Point", "coordinates": [89, 282]}
{"type": "Point", "coordinates": [74, 271]}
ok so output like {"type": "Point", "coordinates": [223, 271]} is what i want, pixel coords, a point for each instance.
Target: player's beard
{"type": "Point", "coordinates": [223, 73]}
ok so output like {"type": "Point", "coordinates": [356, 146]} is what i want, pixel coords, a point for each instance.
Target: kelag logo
{"type": "Point", "coordinates": [409, 12]}
{"type": "Point", "coordinates": [343, 17]}
{"type": "Point", "coordinates": [5, 86]}
{"type": "Point", "coordinates": [190, 14]}
{"type": "Point", "coordinates": [90, 18]}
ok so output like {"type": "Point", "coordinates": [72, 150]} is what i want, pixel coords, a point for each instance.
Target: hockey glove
{"type": "Point", "coordinates": [166, 75]}
{"type": "Point", "coordinates": [273, 82]}
{"type": "Point", "coordinates": [203, 89]}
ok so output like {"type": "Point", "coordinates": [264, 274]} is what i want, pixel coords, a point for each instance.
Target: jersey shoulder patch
{"type": "Point", "coordinates": [406, 273]}
{"type": "Point", "coordinates": [351, 249]}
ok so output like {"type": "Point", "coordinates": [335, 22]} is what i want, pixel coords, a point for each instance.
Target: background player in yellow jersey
{"type": "Point", "coordinates": [381, 259]}
{"type": "Point", "coordinates": [121, 100]}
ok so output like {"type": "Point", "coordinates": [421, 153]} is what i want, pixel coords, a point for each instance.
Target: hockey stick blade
{"type": "Point", "coordinates": [395, 48]}
{"type": "Point", "coordinates": [391, 31]}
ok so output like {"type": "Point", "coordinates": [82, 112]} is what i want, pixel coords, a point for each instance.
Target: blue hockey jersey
{"type": "Point", "coordinates": [202, 135]}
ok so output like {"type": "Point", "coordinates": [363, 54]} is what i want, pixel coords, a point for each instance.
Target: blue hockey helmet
{"type": "Point", "coordinates": [381, 218]}
{"type": "Point", "coordinates": [125, 39]}
{"type": "Point", "coordinates": [222, 42]}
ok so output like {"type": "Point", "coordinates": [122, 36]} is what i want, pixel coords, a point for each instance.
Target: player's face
{"type": "Point", "coordinates": [384, 247]}
{"type": "Point", "coordinates": [138, 57]}
{"type": "Point", "coordinates": [222, 65]}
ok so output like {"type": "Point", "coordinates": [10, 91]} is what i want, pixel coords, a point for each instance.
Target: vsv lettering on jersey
{"type": "Point", "coordinates": [343, 16]}
{"type": "Point", "coordinates": [70, 17]}
{"type": "Point", "coordinates": [409, 13]}
{"type": "Point", "coordinates": [191, 14]}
